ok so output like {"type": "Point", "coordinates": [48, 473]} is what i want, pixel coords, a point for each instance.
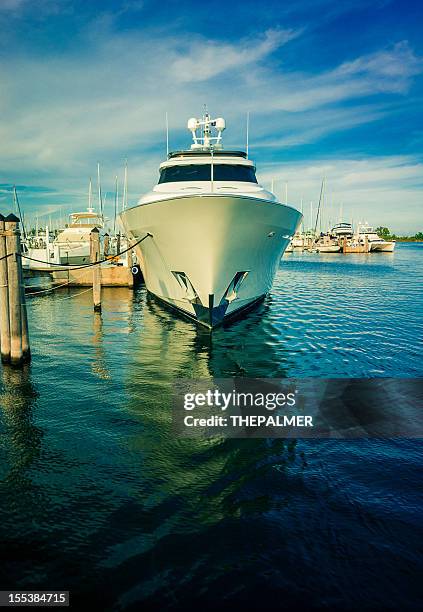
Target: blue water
{"type": "Point", "coordinates": [98, 496]}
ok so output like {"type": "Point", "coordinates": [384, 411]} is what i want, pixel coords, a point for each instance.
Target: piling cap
{"type": "Point", "coordinates": [12, 218]}
{"type": "Point", "coordinates": [1, 217]}
{"type": "Point", "coordinates": [96, 230]}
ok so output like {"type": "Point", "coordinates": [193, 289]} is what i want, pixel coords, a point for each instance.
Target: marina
{"type": "Point", "coordinates": [211, 306]}
{"type": "Point", "coordinates": [201, 192]}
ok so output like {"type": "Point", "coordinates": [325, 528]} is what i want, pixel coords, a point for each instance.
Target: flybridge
{"type": "Point", "coordinates": [202, 153]}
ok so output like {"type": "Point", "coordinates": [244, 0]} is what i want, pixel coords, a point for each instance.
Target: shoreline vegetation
{"type": "Point", "coordinates": [385, 233]}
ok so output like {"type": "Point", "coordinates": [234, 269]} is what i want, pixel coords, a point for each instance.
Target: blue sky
{"type": "Point", "coordinates": [334, 89]}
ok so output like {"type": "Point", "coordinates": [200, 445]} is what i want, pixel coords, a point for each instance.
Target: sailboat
{"type": "Point", "coordinates": [213, 237]}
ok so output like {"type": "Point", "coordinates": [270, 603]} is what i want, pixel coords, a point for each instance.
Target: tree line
{"type": "Point", "coordinates": [385, 233]}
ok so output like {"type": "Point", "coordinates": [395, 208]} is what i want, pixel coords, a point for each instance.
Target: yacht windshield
{"type": "Point", "coordinates": [202, 172]}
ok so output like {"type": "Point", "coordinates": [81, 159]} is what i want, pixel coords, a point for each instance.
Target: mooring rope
{"type": "Point", "coordinates": [69, 297]}
{"type": "Point", "coordinates": [95, 263]}
{"type": "Point", "coordinates": [49, 289]}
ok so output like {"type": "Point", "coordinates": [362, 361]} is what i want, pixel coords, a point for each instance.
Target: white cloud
{"type": "Point", "coordinates": [11, 5]}
{"type": "Point", "coordinates": [206, 59]}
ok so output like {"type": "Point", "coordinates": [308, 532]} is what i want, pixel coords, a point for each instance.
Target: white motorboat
{"type": "Point", "coordinates": [342, 230]}
{"type": "Point", "coordinates": [39, 251]}
{"type": "Point", "coordinates": [214, 235]}
{"type": "Point", "coordinates": [375, 242]}
{"type": "Point", "coordinates": [328, 247]}
{"type": "Point", "coordinates": [73, 243]}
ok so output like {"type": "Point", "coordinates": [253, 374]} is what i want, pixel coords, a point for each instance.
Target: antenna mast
{"type": "Point", "coordinates": [167, 135]}
{"type": "Point", "coordinates": [247, 148]}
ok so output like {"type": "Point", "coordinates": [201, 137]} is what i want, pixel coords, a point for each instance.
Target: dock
{"type": "Point", "coordinates": [110, 276]}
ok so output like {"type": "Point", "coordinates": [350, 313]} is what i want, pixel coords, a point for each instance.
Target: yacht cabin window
{"type": "Point", "coordinates": [202, 172]}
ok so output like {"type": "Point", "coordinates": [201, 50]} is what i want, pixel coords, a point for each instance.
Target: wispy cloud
{"type": "Point", "coordinates": [205, 59]}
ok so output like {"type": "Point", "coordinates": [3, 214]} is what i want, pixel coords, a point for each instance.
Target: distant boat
{"type": "Point", "coordinates": [328, 243]}
{"type": "Point", "coordinates": [375, 242]}
{"type": "Point", "coordinates": [39, 250]}
{"type": "Point", "coordinates": [328, 247]}
{"type": "Point", "coordinates": [342, 230]}
{"type": "Point", "coordinates": [72, 245]}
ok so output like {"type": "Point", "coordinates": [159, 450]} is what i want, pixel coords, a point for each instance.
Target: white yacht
{"type": "Point", "coordinates": [39, 250]}
{"type": "Point", "coordinates": [342, 230]}
{"type": "Point", "coordinates": [215, 235]}
{"type": "Point", "coordinates": [72, 245]}
{"type": "Point", "coordinates": [375, 242]}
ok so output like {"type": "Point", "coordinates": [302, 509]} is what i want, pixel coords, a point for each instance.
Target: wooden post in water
{"type": "Point", "coordinates": [4, 298]}
{"type": "Point", "coordinates": [14, 278]}
{"type": "Point", "coordinates": [95, 256]}
{"type": "Point", "coordinates": [26, 350]}
{"type": "Point", "coordinates": [106, 245]}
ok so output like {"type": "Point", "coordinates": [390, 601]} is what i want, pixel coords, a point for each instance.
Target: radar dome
{"type": "Point", "coordinates": [192, 123]}
{"type": "Point", "coordinates": [220, 124]}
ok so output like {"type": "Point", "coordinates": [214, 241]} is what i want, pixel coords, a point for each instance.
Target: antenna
{"type": "Point", "coordinates": [247, 148]}
{"type": "Point", "coordinates": [206, 140]}
{"type": "Point", "coordinates": [212, 170]}
{"type": "Point", "coordinates": [167, 135]}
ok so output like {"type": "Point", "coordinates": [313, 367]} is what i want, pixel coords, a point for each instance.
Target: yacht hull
{"type": "Point", "coordinates": [328, 248]}
{"type": "Point", "coordinates": [382, 247]}
{"type": "Point", "coordinates": [210, 256]}
{"type": "Point", "coordinates": [73, 253]}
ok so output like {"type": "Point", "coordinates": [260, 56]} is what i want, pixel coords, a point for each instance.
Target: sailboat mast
{"type": "Point", "coordinates": [116, 204]}
{"type": "Point", "coordinates": [90, 195]}
{"type": "Point", "coordinates": [18, 207]}
{"type": "Point", "coordinates": [302, 212]}
{"type": "Point", "coordinates": [318, 208]}
{"type": "Point", "coordinates": [100, 199]}
{"type": "Point", "coordinates": [125, 187]}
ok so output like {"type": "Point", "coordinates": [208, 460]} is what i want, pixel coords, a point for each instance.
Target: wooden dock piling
{"type": "Point", "coordinates": [95, 256]}
{"type": "Point", "coordinates": [4, 298]}
{"type": "Point", "coordinates": [106, 245]}
{"type": "Point", "coordinates": [14, 284]}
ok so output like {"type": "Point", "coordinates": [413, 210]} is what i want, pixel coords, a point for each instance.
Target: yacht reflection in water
{"type": "Point", "coordinates": [196, 494]}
